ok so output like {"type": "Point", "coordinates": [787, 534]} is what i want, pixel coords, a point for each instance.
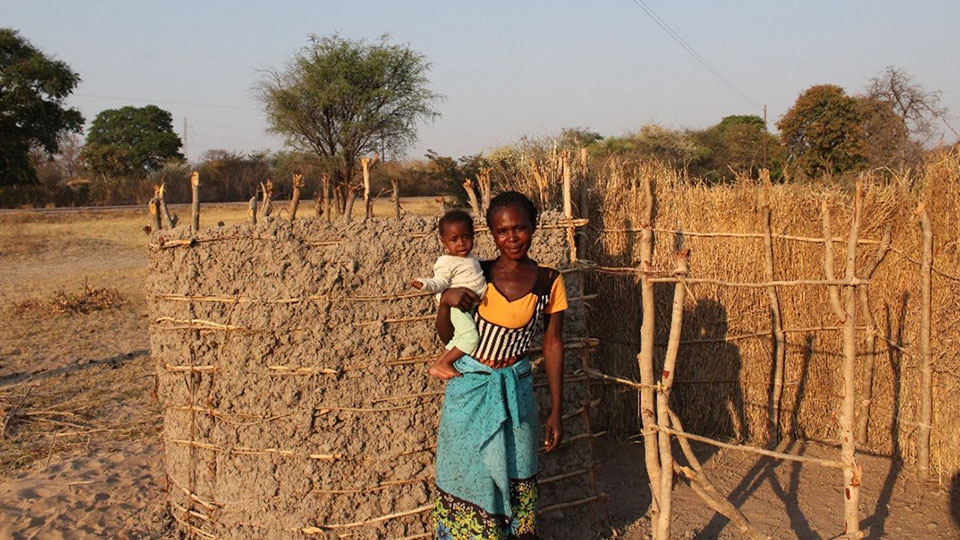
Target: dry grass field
{"type": "Point", "coordinates": [79, 452]}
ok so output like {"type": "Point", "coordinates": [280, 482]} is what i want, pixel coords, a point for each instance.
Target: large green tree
{"type": "Point", "coordinates": [823, 133]}
{"type": "Point", "coordinates": [342, 99]}
{"type": "Point", "coordinates": [131, 142]}
{"type": "Point", "coordinates": [33, 88]}
{"type": "Point", "coordinates": [736, 146]}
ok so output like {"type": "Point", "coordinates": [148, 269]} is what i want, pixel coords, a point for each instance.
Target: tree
{"type": "Point", "coordinates": [33, 88]}
{"type": "Point", "coordinates": [916, 107]}
{"type": "Point", "coordinates": [736, 146]}
{"type": "Point", "coordinates": [131, 141]}
{"type": "Point", "coordinates": [822, 132]}
{"type": "Point", "coordinates": [342, 99]}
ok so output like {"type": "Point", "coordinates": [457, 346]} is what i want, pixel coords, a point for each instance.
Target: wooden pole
{"type": "Point", "coordinates": [645, 357]}
{"type": "Point", "coordinates": [351, 195]}
{"type": "Point", "coordinates": [483, 182]}
{"type": "Point", "coordinates": [295, 199]}
{"type": "Point", "coordinates": [195, 202]}
{"type": "Point", "coordinates": [266, 208]}
{"type": "Point", "coordinates": [846, 312]}
{"type": "Point", "coordinates": [154, 208]}
{"type": "Point", "coordinates": [926, 363]}
{"type": "Point", "coordinates": [253, 210]}
{"type": "Point", "coordinates": [472, 197]}
{"type": "Point", "coordinates": [663, 398]}
{"type": "Point", "coordinates": [367, 206]}
{"type": "Point", "coordinates": [325, 182]}
{"type": "Point", "coordinates": [780, 339]}
{"type": "Point", "coordinates": [167, 216]}
{"type": "Point", "coordinates": [395, 197]}
{"type": "Point", "coordinates": [568, 206]}
{"type": "Point", "coordinates": [870, 342]}
{"type": "Point", "coordinates": [703, 487]}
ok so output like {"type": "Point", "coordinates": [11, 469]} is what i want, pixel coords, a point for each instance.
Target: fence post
{"type": "Point", "coordinates": [866, 376]}
{"type": "Point", "coordinates": [568, 206]}
{"type": "Point", "coordinates": [295, 199]}
{"type": "Point", "coordinates": [645, 357]}
{"type": "Point", "coordinates": [167, 216]}
{"type": "Point", "coordinates": [253, 209]}
{"type": "Point", "coordinates": [195, 202]}
{"type": "Point", "coordinates": [327, 195]}
{"type": "Point", "coordinates": [365, 162]}
{"type": "Point", "coordinates": [472, 197]}
{"type": "Point", "coordinates": [395, 186]}
{"type": "Point", "coordinates": [779, 338]}
{"type": "Point", "coordinates": [663, 397]}
{"type": "Point", "coordinates": [846, 312]}
{"type": "Point", "coordinates": [926, 364]}
{"type": "Point", "coordinates": [266, 208]}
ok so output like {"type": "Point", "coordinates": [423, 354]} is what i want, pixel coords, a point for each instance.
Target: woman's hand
{"type": "Point", "coordinates": [416, 284]}
{"type": "Point", "coordinates": [553, 431]}
{"type": "Point", "coordinates": [461, 298]}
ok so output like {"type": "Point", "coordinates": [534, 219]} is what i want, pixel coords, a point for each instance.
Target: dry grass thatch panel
{"type": "Point", "coordinates": [726, 362]}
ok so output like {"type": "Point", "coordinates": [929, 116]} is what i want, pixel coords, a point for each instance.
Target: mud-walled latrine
{"type": "Point", "coordinates": [291, 362]}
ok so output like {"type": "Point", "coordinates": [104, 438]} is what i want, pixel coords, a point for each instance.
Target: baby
{"type": "Point", "coordinates": [459, 268]}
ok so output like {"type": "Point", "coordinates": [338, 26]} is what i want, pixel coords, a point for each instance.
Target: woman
{"type": "Point", "coordinates": [487, 445]}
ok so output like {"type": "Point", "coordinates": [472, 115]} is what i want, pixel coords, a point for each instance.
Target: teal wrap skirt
{"type": "Point", "coordinates": [487, 450]}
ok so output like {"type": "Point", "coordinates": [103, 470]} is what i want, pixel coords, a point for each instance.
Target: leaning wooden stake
{"type": "Point", "coordinates": [847, 313]}
{"type": "Point", "coordinates": [780, 338]}
{"type": "Point", "coordinates": [703, 487]}
{"type": "Point", "coordinates": [645, 357]}
{"type": "Point", "coordinates": [195, 202]}
{"type": "Point", "coordinates": [926, 364]}
{"type": "Point", "coordinates": [870, 341]}
{"type": "Point", "coordinates": [167, 216]}
{"type": "Point", "coordinates": [295, 199]}
{"type": "Point", "coordinates": [663, 397]}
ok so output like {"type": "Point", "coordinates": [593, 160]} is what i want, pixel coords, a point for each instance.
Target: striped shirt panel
{"type": "Point", "coordinates": [499, 343]}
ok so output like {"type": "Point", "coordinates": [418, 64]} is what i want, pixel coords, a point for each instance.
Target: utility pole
{"type": "Point", "coordinates": [185, 136]}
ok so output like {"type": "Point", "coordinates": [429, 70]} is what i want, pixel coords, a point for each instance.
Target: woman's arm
{"type": "Point", "coordinates": [458, 297]}
{"type": "Point", "coordinates": [553, 362]}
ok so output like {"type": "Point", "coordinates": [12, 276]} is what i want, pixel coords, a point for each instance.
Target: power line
{"type": "Point", "coordinates": [184, 103]}
{"type": "Point", "coordinates": [697, 56]}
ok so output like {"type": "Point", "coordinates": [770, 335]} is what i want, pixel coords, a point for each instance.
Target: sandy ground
{"type": "Point", "coordinates": [79, 456]}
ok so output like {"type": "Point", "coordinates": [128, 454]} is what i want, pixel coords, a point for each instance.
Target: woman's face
{"type": "Point", "coordinates": [512, 232]}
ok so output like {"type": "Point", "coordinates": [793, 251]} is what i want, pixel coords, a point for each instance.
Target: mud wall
{"type": "Point", "coordinates": [291, 362]}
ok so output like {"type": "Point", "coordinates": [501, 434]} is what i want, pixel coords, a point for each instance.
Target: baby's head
{"type": "Point", "coordinates": [456, 232]}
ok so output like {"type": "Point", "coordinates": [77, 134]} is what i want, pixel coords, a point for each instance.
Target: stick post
{"type": "Point", "coordinates": [780, 339]}
{"type": "Point", "coordinates": [846, 312]}
{"type": "Point", "coordinates": [167, 216]}
{"type": "Point", "coordinates": [870, 342]}
{"type": "Point", "coordinates": [195, 202]}
{"type": "Point", "coordinates": [253, 210]}
{"type": "Point", "coordinates": [367, 207]}
{"type": "Point", "coordinates": [568, 206]}
{"type": "Point", "coordinates": [663, 397]}
{"type": "Point", "coordinates": [325, 182]}
{"type": "Point", "coordinates": [645, 357]}
{"type": "Point", "coordinates": [295, 199]}
{"type": "Point", "coordinates": [926, 364]}
{"type": "Point", "coordinates": [266, 208]}
{"type": "Point", "coordinates": [154, 208]}
{"type": "Point", "coordinates": [472, 197]}
{"type": "Point", "coordinates": [395, 197]}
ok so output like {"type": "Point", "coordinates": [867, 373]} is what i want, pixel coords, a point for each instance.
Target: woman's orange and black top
{"type": "Point", "coordinates": [507, 328]}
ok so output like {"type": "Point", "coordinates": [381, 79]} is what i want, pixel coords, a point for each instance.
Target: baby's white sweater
{"type": "Point", "coordinates": [452, 271]}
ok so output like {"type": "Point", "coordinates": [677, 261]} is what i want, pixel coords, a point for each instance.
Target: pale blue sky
{"type": "Point", "coordinates": [507, 69]}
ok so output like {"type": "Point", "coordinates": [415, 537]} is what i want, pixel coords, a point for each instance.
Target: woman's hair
{"type": "Point", "coordinates": [516, 200]}
{"type": "Point", "coordinates": [454, 216]}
